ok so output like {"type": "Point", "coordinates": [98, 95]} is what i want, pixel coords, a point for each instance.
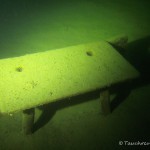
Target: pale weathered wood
{"type": "Point", "coordinates": [36, 79]}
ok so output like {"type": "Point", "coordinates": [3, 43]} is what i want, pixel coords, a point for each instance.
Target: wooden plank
{"type": "Point", "coordinates": [35, 79]}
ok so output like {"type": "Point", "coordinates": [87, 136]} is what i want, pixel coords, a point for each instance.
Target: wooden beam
{"type": "Point", "coordinates": [28, 121]}
{"type": "Point", "coordinates": [105, 102]}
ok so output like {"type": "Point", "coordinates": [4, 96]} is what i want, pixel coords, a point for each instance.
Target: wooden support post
{"type": "Point", "coordinates": [28, 121]}
{"type": "Point", "coordinates": [105, 102]}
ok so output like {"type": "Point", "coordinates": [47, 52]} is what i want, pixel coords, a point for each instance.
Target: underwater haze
{"type": "Point", "coordinates": [33, 26]}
